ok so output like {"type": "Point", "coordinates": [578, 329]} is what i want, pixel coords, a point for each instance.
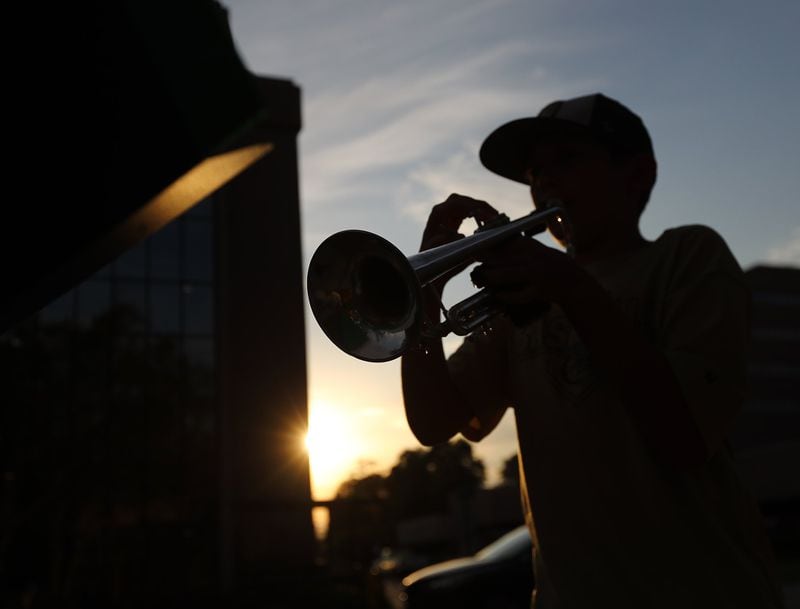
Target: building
{"type": "Point", "coordinates": [766, 437]}
{"type": "Point", "coordinates": [153, 415]}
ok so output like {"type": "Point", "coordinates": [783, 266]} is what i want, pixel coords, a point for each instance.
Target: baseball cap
{"type": "Point", "coordinates": [506, 150]}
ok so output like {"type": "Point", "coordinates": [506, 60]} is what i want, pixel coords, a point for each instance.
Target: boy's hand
{"type": "Point", "coordinates": [526, 272]}
{"type": "Point", "coordinates": [444, 222]}
{"type": "Point", "coordinates": [446, 218]}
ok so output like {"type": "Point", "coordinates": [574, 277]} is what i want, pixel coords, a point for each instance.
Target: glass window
{"type": "Point", "coordinates": [130, 306]}
{"type": "Point", "coordinates": [103, 273]}
{"type": "Point", "coordinates": [199, 353]}
{"type": "Point", "coordinates": [94, 299]}
{"type": "Point", "coordinates": [131, 263]}
{"type": "Point", "coordinates": [198, 248]}
{"type": "Point", "coordinates": [165, 252]}
{"type": "Point", "coordinates": [204, 209]}
{"type": "Point", "coordinates": [130, 362]}
{"type": "Point", "coordinates": [61, 309]}
{"type": "Point", "coordinates": [200, 420]}
{"type": "Point", "coordinates": [198, 312]}
{"type": "Point", "coordinates": [165, 308]}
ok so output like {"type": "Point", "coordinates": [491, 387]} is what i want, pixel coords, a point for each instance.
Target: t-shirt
{"type": "Point", "coordinates": [612, 527]}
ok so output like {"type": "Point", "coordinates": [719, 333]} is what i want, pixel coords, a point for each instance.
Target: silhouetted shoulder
{"type": "Point", "coordinates": [694, 236]}
{"type": "Point", "coordinates": [696, 251]}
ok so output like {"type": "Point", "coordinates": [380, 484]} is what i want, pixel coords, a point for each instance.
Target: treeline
{"type": "Point", "coordinates": [368, 511]}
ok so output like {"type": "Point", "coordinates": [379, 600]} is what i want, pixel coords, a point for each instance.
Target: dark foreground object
{"type": "Point", "coordinates": [499, 576]}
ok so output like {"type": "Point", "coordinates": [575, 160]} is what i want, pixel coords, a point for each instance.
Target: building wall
{"type": "Point", "coordinates": [267, 530]}
{"type": "Point", "coordinates": [110, 425]}
{"type": "Point", "coordinates": [152, 416]}
{"type": "Point", "coordinates": [772, 410]}
{"type": "Point", "coordinates": [766, 437]}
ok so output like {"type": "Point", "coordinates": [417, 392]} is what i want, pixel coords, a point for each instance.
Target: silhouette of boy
{"type": "Point", "coordinates": [623, 388]}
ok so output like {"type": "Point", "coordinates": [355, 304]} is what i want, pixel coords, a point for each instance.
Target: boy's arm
{"type": "Point", "coordinates": [435, 410]}
{"type": "Point", "coordinates": [436, 407]}
{"type": "Point", "coordinates": [465, 394]}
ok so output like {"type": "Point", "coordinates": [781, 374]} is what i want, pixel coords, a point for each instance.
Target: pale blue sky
{"type": "Point", "coordinates": [397, 97]}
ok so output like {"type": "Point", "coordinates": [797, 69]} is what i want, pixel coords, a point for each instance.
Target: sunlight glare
{"type": "Point", "coordinates": [333, 448]}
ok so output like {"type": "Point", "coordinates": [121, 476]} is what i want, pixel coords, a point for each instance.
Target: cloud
{"type": "Point", "coordinates": [429, 129]}
{"type": "Point", "coordinates": [787, 253]}
{"type": "Point", "coordinates": [394, 121]}
{"type": "Point", "coordinates": [393, 94]}
{"type": "Point", "coordinates": [461, 172]}
{"type": "Point", "coordinates": [325, 43]}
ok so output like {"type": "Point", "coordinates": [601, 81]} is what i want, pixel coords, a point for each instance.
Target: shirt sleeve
{"type": "Point", "coordinates": [479, 368]}
{"type": "Point", "coordinates": [704, 323]}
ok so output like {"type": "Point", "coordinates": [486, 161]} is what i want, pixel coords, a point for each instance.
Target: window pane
{"type": "Point", "coordinates": [94, 299]}
{"type": "Point", "coordinates": [131, 263]}
{"type": "Point", "coordinates": [130, 363]}
{"type": "Point", "coordinates": [203, 209]}
{"type": "Point", "coordinates": [198, 309]}
{"type": "Point", "coordinates": [165, 309]}
{"type": "Point", "coordinates": [130, 307]}
{"type": "Point", "coordinates": [165, 252]}
{"type": "Point", "coordinates": [199, 354]}
{"type": "Point", "coordinates": [103, 273]}
{"type": "Point", "coordinates": [60, 309]}
{"type": "Point", "coordinates": [198, 250]}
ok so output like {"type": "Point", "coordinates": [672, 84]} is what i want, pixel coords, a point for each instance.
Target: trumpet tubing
{"type": "Point", "coordinates": [367, 296]}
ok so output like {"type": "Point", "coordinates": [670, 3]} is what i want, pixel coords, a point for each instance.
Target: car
{"type": "Point", "coordinates": [500, 576]}
{"type": "Point", "coordinates": [397, 563]}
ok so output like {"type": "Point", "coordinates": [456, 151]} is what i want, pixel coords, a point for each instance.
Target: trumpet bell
{"type": "Point", "coordinates": [365, 295]}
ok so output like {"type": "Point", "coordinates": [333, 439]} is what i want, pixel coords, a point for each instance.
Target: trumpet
{"type": "Point", "coordinates": [366, 295]}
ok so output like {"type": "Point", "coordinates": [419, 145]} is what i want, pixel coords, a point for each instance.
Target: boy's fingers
{"type": "Point", "coordinates": [452, 212]}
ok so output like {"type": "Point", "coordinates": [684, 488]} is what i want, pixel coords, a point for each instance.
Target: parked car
{"type": "Point", "coordinates": [500, 576]}
{"type": "Point", "coordinates": [397, 563]}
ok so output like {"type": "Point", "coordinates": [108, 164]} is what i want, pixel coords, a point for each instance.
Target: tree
{"type": "Point", "coordinates": [359, 522]}
{"type": "Point", "coordinates": [365, 514]}
{"type": "Point", "coordinates": [423, 480]}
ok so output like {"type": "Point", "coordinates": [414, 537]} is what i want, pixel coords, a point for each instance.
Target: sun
{"type": "Point", "coordinates": [333, 448]}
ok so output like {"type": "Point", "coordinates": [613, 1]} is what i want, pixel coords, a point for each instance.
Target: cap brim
{"type": "Point", "coordinates": [507, 149]}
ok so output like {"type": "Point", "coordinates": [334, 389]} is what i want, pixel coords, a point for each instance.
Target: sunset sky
{"type": "Point", "coordinates": [397, 97]}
